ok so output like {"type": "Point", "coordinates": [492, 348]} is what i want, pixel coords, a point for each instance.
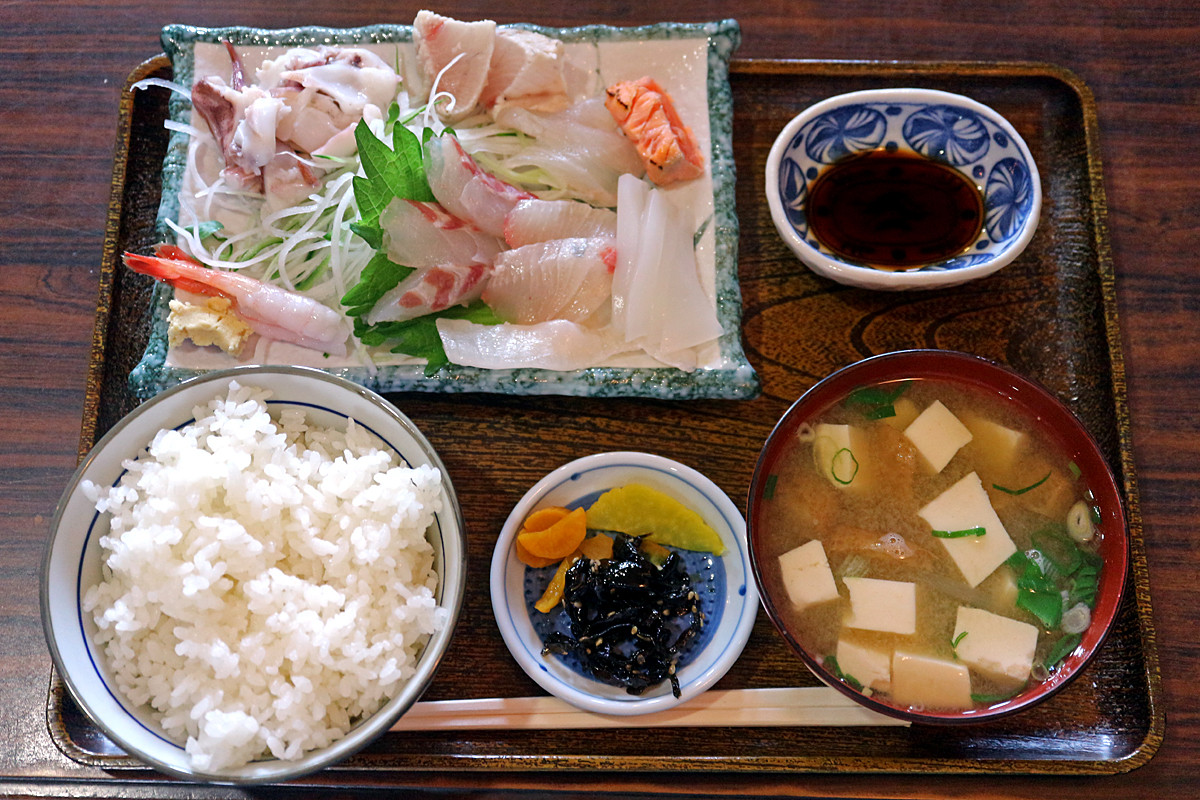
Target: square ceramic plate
{"type": "Point", "coordinates": [692, 59]}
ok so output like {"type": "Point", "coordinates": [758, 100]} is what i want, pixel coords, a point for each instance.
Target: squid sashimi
{"type": "Point", "coordinates": [272, 312]}
{"type": "Point", "coordinates": [461, 53]}
{"type": "Point", "coordinates": [556, 345]}
{"type": "Point", "coordinates": [581, 149]}
{"type": "Point", "coordinates": [465, 190]}
{"type": "Point", "coordinates": [526, 70]}
{"type": "Point", "coordinates": [658, 300]}
{"type": "Point", "coordinates": [561, 279]}
{"type": "Point", "coordinates": [429, 290]}
{"type": "Point", "coordinates": [422, 235]}
{"type": "Point", "coordinates": [538, 220]}
{"type": "Point", "coordinates": [647, 116]}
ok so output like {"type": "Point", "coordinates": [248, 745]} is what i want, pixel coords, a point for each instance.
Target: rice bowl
{"type": "Point", "coordinates": [276, 640]}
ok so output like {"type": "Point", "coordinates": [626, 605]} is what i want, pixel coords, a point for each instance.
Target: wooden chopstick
{"type": "Point", "coordinates": [733, 708]}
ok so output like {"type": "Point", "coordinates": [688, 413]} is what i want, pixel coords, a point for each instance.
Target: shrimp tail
{"type": "Point", "coordinates": [164, 266]}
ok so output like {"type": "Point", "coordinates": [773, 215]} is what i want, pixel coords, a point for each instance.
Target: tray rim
{"type": "Point", "coordinates": [1138, 567]}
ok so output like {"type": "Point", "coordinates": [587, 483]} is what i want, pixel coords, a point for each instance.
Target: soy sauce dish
{"type": "Point", "coordinates": [900, 189]}
{"type": "Point", "coordinates": [723, 597]}
{"type": "Point", "coordinates": [937, 537]}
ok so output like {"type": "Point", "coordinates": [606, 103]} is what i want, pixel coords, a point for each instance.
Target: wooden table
{"type": "Point", "coordinates": [64, 65]}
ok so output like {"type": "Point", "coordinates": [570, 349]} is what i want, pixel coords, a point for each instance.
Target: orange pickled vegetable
{"type": "Point", "coordinates": [529, 559]}
{"type": "Point", "coordinates": [543, 518]}
{"type": "Point", "coordinates": [554, 591]}
{"type": "Point", "coordinates": [560, 539]}
{"type": "Point", "coordinates": [598, 547]}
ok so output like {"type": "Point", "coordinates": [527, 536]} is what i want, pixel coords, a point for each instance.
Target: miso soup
{"type": "Point", "coordinates": [937, 552]}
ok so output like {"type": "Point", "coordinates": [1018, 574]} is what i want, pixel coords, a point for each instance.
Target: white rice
{"type": "Point", "coordinates": [266, 583]}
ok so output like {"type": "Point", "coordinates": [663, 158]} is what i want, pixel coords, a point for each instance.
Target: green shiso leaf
{"type": "Point", "coordinates": [379, 277]}
{"type": "Point", "coordinates": [391, 172]}
{"type": "Point", "coordinates": [419, 337]}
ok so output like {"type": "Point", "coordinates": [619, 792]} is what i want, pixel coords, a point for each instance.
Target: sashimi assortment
{"type": "Point", "coordinates": [479, 200]}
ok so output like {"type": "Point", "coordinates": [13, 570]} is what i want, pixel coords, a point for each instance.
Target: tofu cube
{"type": "Point", "coordinates": [995, 445]}
{"type": "Point", "coordinates": [931, 683]}
{"type": "Point", "coordinates": [906, 412]}
{"type": "Point", "coordinates": [870, 667]}
{"type": "Point", "coordinates": [807, 576]}
{"type": "Point", "coordinates": [878, 605]}
{"type": "Point", "coordinates": [966, 505]}
{"type": "Point", "coordinates": [842, 469]}
{"type": "Point", "coordinates": [938, 435]}
{"type": "Point", "coordinates": [997, 647]}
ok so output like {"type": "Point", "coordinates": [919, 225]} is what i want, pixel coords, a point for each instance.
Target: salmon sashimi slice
{"type": "Point", "coordinates": [647, 116]}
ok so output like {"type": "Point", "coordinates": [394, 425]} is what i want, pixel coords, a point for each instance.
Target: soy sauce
{"type": "Point", "coordinates": [894, 210]}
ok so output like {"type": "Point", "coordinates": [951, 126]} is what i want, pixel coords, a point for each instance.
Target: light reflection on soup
{"type": "Point", "coordinates": [936, 550]}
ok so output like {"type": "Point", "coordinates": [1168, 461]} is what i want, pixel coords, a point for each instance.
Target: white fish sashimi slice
{"type": "Point", "coordinates": [526, 70]}
{"type": "Point", "coordinates": [465, 190]}
{"type": "Point", "coordinates": [567, 279]}
{"type": "Point", "coordinates": [428, 290]}
{"type": "Point", "coordinates": [424, 235]}
{"type": "Point", "coordinates": [439, 40]}
{"type": "Point", "coordinates": [538, 220]}
{"type": "Point", "coordinates": [558, 345]}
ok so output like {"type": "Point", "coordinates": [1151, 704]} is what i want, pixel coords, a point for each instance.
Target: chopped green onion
{"type": "Point", "coordinates": [1062, 649]}
{"type": "Point", "coordinates": [988, 699]}
{"type": "Point", "coordinates": [769, 486]}
{"type": "Point", "coordinates": [840, 466]}
{"type": "Point", "coordinates": [205, 229]}
{"type": "Point", "coordinates": [1046, 606]}
{"type": "Point", "coordinates": [980, 531]}
{"type": "Point", "coordinates": [877, 401]}
{"type": "Point", "coordinates": [882, 412]}
{"type": "Point", "coordinates": [1076, 472]}
{"type": "Point", "coordinates": [954, 643]}
{"type": "Point", "coordinates": [1028, 488]}
{"type": "Point", "coordinates": [831, 664]}
{"type": "Point", "coordinates": [1058, 548]}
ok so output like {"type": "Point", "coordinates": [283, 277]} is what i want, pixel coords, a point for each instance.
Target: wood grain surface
{"type": "Point", "coordinates": [64, 65]}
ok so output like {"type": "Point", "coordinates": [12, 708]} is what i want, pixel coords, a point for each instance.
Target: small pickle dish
{"type": "Point", "coordinates": [290, 644]}
{"type": "Point", "coordinates": [937, 537]}
{"type": "Point", "coordinates": [640, 627]}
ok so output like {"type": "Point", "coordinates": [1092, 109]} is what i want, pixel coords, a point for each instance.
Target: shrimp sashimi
{"type": "Point", "coordinates": [537, 220]}
{"type": "Point", "coordinates": [648, 118]}
{"type": "Point", "coordinates": [465, 190]}
{"type": "Point", "coordinates": [423, 235]}
{"type": "Point", "coordinates": [429, 290]}
{"type": "Point", "coordinates": [463, 50]}
{"type": "Point", "coordinates": [562, 279]}
{"type": "Point", "coordinates": [272, 312]}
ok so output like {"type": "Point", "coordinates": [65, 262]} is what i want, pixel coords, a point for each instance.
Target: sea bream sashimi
{"type": "Point", "coordinates": [418, 234]}
{"type": "Point", "coordinates": [567, 279]}
{"type": "Point", "coordinates": [647, 116]}
{"type": "Point", "coordinates": [465, 190]}
{"type": "Point", "coordinates": [457, 56]}
{"type": "Point", "coordinates": [539, 220]}
{"type": "Point", "coordinates": [526, 70]}
{"type": "Point", "coordinates": [430, 290]}
{"type": "Point", "coordinates": [581, 149]}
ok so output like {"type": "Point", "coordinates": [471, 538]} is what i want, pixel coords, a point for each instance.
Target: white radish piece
{"type": "Point", "coordinates": [465, 190]}
{"type": "Point", "coordinates": [558, 345]}
{"type": "Point", "coordinates": [561, 279]}
{"type": "Point", "coordinates": [538, 220]}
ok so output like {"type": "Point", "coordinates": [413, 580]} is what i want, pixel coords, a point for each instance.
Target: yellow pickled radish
{"type": "Point", "coordinates": [554, 591]}
{"type": "Point", "coordinates": [637, 509]}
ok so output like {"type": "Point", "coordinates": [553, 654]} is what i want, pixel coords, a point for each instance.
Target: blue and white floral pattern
{"type": "Point", "coordinates": [946, 133]}
{"type": "Point", "coordinates": [850, 129]}
{"type": "Point", "coordinates": [1007, 199]}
